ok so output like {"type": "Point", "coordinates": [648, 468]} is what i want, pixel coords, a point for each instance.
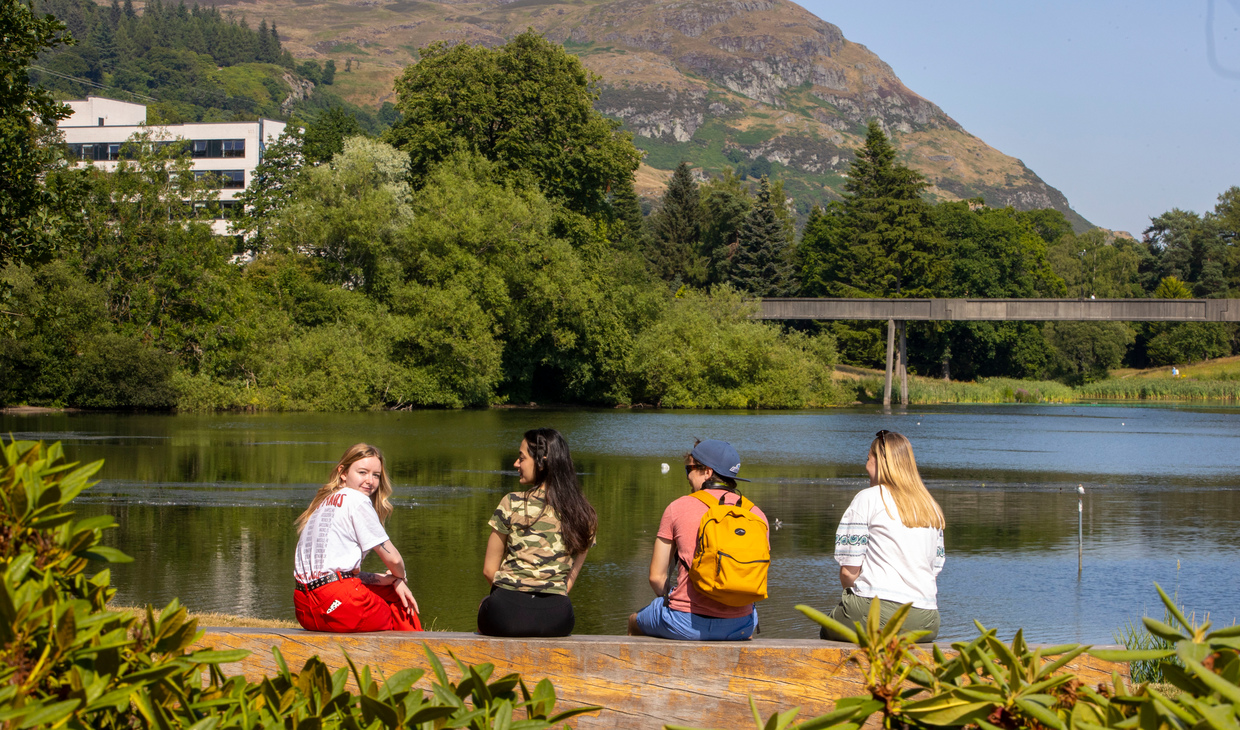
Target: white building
{"type": "Point", "coordinates": [98, 128]}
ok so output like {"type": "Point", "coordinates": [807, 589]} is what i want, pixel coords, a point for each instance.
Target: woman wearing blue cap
{"type": "Point", "coordinates": [682, 609]}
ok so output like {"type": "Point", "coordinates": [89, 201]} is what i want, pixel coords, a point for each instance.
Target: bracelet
{"type": "Point", "coordinates": [400, 578]}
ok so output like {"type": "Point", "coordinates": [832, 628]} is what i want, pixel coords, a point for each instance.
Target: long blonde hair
{"type": "Point", "coordinates": [379, 497]}
{"type": "Point", "coordinates": [897, 470]}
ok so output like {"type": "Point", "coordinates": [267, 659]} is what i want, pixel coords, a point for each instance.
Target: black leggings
{"type": "Point", "coordinates": [516, 613]}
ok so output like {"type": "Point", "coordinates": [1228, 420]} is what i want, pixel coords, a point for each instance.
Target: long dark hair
{"type": "Point", "coordinates": [554, 469]}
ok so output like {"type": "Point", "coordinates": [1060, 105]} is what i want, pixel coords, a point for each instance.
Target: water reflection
{"type": "Point", "coordinates": [206, 504]}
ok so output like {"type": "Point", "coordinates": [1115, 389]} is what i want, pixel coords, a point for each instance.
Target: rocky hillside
{"type": "Point", "coordinates": [751, 84]}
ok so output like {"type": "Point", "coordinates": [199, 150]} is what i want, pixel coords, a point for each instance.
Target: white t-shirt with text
{"type": "Point", "coordinates": [898, 563]}
{"type": "Point", "coordinates": [338, 535]}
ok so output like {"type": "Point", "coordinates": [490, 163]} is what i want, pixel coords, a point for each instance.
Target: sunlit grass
{"type": "Point", "coordinates": [1161, 389]}
{"type": "Point", "coordinates": [927, 391]}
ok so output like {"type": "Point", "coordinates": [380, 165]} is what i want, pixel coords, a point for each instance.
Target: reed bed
{"type": "Point", "coordinates": [1161, 389]}
{"type": "Point", "coordinates": [927, 391]}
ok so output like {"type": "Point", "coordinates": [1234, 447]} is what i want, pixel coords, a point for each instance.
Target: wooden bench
{"type": "Point", "coordinates": [641, 682]}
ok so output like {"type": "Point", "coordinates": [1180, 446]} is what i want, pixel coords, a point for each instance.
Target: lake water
{"type": "Point", "coordinates": [206, 504]}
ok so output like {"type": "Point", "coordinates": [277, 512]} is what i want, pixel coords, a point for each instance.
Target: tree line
{"type": "Point", "coordinates": [186, 63]}
{"type": "Point", "coordinates": [490, 248]}
{"type": "Point", "coordinates": [885, 239]}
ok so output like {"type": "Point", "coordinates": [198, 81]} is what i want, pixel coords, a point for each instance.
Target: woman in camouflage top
{"type": "Point", "coordinates": [539, 540]}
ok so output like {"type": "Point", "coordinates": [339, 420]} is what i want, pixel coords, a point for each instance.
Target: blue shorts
{"type": "Point", "coordinates": [661, 621]}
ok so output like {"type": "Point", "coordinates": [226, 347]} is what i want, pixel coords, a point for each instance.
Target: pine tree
{"type": "Point", "coordinates": [677, 229]}
{"type": "Point", "coordinates": [104, 41]}
{"type": "Point", "coordinates": [265, 52]}
{"type": "Point", "coordinates": [329, 72]}
{"type": "Point", "coordinates": [631, 224]}
{"type": "Point", "coordinates": [762, 264]}
{"type": "Point", "coordinates": [890, 220]}
{"type": "Point", "coordinates": [130, 13]}
{"type": "Point", "coordinates": [114, 15]}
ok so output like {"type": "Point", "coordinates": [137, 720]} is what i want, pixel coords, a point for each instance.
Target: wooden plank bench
{"type": "Point", "coordinates": [641, 682]}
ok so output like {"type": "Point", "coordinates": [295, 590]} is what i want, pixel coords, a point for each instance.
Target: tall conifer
{"type": "Point", "coordinates": [677, 229]}
{"type": "Point", "coordinates": [762, 265]}
{"type": "Point", "coordinates": [894, 246]}
{"type": "Point", "coordinates": [631, 224]}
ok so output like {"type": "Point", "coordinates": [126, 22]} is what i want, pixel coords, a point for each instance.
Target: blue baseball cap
{"type": "Point", "coordinates": [720, 457]}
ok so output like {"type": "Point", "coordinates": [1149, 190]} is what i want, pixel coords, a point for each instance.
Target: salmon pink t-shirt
{"type": "Point", "coordinates": [680, 525]}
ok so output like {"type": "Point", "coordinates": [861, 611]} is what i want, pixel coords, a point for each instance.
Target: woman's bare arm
{"type": "Point", "coordinates": [578, 561]}
{"type": "Point", "coordinates": [849, 575]}
{"type": "Point", "coordinates": [396, 575]}
{"type": "Point", "coordinates": [497, 543]}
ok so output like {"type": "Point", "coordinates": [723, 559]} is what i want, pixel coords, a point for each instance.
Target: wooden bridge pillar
{"type": "Point", "coordinates": [897, 360]}
{"type": "Point", "coordinates": [903, 364]}
{"type": "Point", "coordinates": [891, 346]}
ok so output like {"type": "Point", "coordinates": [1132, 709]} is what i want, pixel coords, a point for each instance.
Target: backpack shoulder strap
{"type": "Point", "coordinates": [709, 500]}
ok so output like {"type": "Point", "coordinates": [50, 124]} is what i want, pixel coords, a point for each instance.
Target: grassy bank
{"type": "Point", "coordinates": [1215, 380]}
{"type": "Point", "coordinates": [868, 388]}
{"type": "Point", "coordinates": [219, 619]}
{"type": "Point", "coordinates": [1161, 389]}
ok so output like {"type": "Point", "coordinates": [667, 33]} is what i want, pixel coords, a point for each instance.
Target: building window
{"type": "Point", "coordinates": [114, 151]}
{"type": "Point", "coordinates": [223, 178]}
{"type": "Point", "coordinates": [219, 210]}
{"type": "Point", "coordinates": [208, 148]}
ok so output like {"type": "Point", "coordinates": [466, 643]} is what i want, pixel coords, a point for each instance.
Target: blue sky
{"type": "Point", "coordinates": [1130, 108]}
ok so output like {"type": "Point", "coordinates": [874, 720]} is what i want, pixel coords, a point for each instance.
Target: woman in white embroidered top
{"type": "Point", "coordinates": [890, 543]}
{"type": "Point", "coordinates": [344, 522]}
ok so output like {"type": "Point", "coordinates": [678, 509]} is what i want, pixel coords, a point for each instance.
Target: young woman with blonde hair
{"type": "Point", "coordinates": [890, 542]}
{"type": "Point", "coordinates": [344, 522]}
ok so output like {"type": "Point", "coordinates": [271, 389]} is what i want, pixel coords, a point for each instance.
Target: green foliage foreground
{"type": "Point", "coordinates": [66, 661]}
{"type": "Point", "coordinates": [989, 685]}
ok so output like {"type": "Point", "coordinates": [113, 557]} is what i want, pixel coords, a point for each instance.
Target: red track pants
{"type": "Point", "coordinates": [350, 606]}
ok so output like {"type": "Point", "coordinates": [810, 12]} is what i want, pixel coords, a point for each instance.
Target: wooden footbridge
{"type": "Point", "coordinates": [899, 311]}
{"type": "Point", "coordinates": [640, 682]}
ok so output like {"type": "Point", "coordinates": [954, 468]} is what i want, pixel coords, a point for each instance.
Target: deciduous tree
{"type": "Point", "coordinates": [526, 105]}
{"type": "Point", "coordinates": [28, 116]}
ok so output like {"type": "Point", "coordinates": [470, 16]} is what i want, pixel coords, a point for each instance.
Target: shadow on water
{"type": "Point", "coordinates": [206, 504]}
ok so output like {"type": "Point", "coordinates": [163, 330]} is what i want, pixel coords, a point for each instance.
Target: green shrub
{"type": "Point", "coordinates": [66, 661]}
{"type": "Point", "coordinates": [989, 685]}
{"type": "Point", "coordinates": [706, 352]}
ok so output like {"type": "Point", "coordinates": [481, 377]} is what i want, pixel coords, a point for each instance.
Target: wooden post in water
{"type": "Point", "coordinates": [903, 364]}
{"type": "Point", "coordinates": [1080, 531]}
{"type": "Point", "coordinates": [891, 346]}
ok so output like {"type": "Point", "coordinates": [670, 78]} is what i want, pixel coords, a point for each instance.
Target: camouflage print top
{"type": "Point", "coordinates": [536, 560]}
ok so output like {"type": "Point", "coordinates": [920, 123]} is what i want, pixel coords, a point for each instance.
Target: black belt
{"type": "Point", "coordinates": [324, 580]}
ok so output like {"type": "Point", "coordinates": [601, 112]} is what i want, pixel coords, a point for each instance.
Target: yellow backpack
{"type": "Point", "coordinates": [733, 553]}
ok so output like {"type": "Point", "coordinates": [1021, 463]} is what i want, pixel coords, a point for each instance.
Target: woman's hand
{"type": "Point", "coordinates": [406, 596]}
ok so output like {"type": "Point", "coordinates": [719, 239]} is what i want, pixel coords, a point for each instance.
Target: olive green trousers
{"type": "Point", "coordinates": [854, 608]}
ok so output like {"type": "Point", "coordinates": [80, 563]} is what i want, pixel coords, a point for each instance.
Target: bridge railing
{"type": "Point", "coordinates": [1104, 310]}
